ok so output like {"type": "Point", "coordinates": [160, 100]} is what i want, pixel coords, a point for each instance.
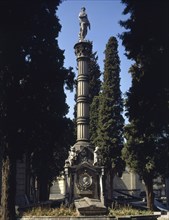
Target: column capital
{"type": "Point", "coordinates": [83, 49]}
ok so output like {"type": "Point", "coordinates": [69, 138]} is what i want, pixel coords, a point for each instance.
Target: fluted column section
{"type": "Point", "coordinates": [82, 52]}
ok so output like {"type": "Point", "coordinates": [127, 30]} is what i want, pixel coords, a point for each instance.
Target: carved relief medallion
{"type": "Point", "coordinates": [85, 181]}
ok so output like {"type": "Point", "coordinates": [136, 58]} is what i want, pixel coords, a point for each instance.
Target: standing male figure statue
{"type": "Point", "coordinates": [84, 24]}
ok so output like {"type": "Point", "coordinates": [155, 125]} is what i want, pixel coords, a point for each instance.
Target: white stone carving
{"type": "Point", "coordinates": [84, 24]}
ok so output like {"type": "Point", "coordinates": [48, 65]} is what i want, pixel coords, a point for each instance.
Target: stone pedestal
{"type": "Point", "coordinates": [83, 173]}
{"type": "Point", "coordinates": [86, 206]}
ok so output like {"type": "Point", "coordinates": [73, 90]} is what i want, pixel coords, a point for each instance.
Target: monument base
{"type": "Point", "coordinates": [87, 206]}
{"type": "Point", "coordinates": [83, 175]}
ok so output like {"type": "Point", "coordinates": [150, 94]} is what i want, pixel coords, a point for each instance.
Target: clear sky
{"type": "Point", "coordinates": [104, 18]}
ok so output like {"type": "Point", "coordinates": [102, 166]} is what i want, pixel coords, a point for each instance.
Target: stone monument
{"type": "Point", "coordinates": [83, 171]}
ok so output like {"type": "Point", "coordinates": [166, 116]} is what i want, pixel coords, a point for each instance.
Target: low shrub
{"type": "Point", "coordinates": [64, 211]}
{"type": "Point", "coordinates": [41, 211]}
{"type": "Point", "coordinates": [127, 210]}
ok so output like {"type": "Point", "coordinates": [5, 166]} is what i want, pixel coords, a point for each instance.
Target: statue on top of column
{"type": "Point", "coordinates": [84, 24]}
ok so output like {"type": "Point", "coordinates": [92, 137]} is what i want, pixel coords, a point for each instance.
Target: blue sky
{"type": "Point", "coordinates": [104, 18]}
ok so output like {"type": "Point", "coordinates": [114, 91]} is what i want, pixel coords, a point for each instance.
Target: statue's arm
{"type": "Point", "coordinates": [89, 26]}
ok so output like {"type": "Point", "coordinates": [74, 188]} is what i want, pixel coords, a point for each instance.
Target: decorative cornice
{"type": "Point", "coordinates": [83, 50]}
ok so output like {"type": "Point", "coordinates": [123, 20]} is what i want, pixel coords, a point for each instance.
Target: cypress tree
{"type": "Point", "coordinates": [110, 127]}
{"type": "Point", "coordinates": [94, 117]}
{"type": "Point", "coordinates": [94, 90]}
{"type": "Point", "coordinates": [94, 77]}
{"type": "Point", "coordinates": [145, 41]}
{"type": "Point", "coordinates": [32, 98]}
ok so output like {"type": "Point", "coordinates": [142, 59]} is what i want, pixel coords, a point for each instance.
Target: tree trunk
{"type": "Point", "coordinates": [112, 175]}
{"type": "Point", "coordinates": [149, 192]}
{"type": "Point", "coordinates": [8, 188]}
{"type": "Point", "coordinates": [167, 190]}
{"type": "Point", "coordinates": [111, 184]}
{"type": "Point", "coordinates": [43, 189]}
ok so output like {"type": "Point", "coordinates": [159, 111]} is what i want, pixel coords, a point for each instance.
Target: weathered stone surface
{"type": "Point", "coordinates": [138, 217]}
{"type": "Point", "coordinates": [148, 217]}
{"type": "Point", "coordinates": [87, 206]}
{"type": "Point", "coordinates": [68, 218]}
{"type": "Point", "coordinates": [164, 216]}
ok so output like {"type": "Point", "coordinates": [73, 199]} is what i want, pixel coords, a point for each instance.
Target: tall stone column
{"type": "Point", "coordinates": [83, 171]}
{"type": "Point", "coordinates": [83, 51]}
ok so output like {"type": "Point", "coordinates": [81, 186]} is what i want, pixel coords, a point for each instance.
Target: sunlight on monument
{"type": "Point", "coordinates": [83, 170]}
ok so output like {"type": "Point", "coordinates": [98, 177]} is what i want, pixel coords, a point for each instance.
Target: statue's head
{"type": "Point", "coordinates": [83, 8]}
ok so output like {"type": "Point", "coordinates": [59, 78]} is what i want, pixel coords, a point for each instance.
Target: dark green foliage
{"type": "Point", "coordinates": [32, 79]}
{"type": "Point", "coordinates": [146, 42]}
{"type": "Point", "coordinates": [94, 115]}
{"type": "Point", "coordinates": [94, 77]}
{"type": "Point", "coordinates": [110, 127]}
{"type": "Point", "coordinates": [94, 90]}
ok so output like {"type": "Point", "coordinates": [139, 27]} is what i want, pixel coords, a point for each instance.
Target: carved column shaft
{"type": "Point", "coordinates": [83, 51]}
